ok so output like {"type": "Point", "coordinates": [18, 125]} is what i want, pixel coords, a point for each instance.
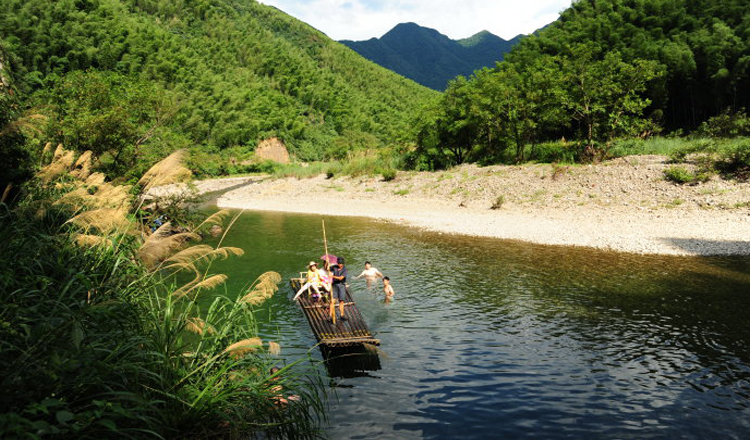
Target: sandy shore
{"type": "Point", "coordinates": [621, 205]}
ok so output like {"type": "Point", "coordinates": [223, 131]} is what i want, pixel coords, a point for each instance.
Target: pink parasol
{"type": "Point", "coordinates": [330, 258]}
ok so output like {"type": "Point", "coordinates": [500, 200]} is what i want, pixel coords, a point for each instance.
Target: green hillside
{"type": "Point", "coordinates": [429, 57]}
{"type": "Point", "coordinates": [605, 70]}
{"type": "Point", "coordinates": [704, 46]}
{"type": "Point", "coordinates": [227, 73]}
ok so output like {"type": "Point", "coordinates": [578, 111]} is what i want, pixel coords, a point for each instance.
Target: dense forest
{"type": "Point", "coordinates": [606, 69]}
{"type": "Point", "coordinates": [136, 79]}
{"type": "Point", "coordinates": [431, 58]}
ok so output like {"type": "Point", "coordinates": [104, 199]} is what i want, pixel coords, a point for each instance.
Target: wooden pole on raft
{"type": "Point", "coordinates": [325, 241]}
{"type": "Point", "coordinates": [325, 247]}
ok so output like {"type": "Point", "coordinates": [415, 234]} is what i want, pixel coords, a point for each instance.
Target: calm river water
{"type": "Point", "coordinates": [499, 339]}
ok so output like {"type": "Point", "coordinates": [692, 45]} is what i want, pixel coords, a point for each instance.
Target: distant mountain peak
{"type": "Point", "coordinates": [478, 38]}
{"type": "Point", "coordinates": [429, 57]}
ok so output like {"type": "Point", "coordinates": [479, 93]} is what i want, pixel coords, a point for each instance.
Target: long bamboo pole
{"type": "Point", "coordinates": [325, 247]}
{"type": "Point", "coordinates": [325, 241]}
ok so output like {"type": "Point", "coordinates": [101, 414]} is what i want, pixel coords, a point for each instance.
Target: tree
{"type": "Point", "coordinates": [447, 131]}
{"type": "Point", "coordinates": [16, 159]}
{"type": "Point", "coordinates": [513, 105]}
{"type": "Point", "coordinates": [605, 96]}
{"type": "Point", "coordinates": [109, 114]}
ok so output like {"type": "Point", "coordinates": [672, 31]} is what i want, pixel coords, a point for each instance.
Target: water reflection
{"type": "Point", "coordinates": [350, 362]}
{"type": "Point", "coordinates": [490, 338]}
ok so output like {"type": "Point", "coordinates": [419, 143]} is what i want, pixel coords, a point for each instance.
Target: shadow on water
{"type": "Point", "coordinates": [350, 362]}
{"type": "Point", "coordinates": [698, 247]}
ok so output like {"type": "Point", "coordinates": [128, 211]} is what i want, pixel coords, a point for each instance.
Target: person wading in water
{"type": "Point", "coordinates": [370, 273]}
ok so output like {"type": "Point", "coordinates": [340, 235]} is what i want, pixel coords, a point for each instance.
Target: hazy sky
{"type": "Point", "coordinates": [364, 19]}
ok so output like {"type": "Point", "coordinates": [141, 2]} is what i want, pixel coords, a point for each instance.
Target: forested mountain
{"type": "Point", "coordinates": [218, 73]}
{"type": "Point", "coordinates": [605, 69]}
{"type": "Point", "coordinates": [429, 57]}
{"type": "Point", "coordinates": [704, 45]}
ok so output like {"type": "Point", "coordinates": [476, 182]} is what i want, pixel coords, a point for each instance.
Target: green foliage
{"type": "Point", "coordinates": [517, 105]}
{"type": "Point", "coordinates": [726, 125]}
{"type": "Point", "coordinates": [388, 175]}
{"type": "Point", "coordinates": [384, 163]}
{"type": "Point", "coordinates": [498, 203]}
{"type": "Point", "coordinates": [119, 119]}
{"type": "Point", "coordinates": [446, 133]}
{"type": "Point", "coordinates": [206, 161]}
{"type": "Point", "coordinates": [606, 70]}
{"type": "Point", "coordinates": [675, 148]}
{"type": "Point", "coordinates": [734, 160]}
{"type": "Point", "coordinates": [93, 346]}
{"type": "Point", "coordinates": [604, 94]}
{"type": "Point", "coordinates": [16, 159]}
{"type": "Point", "coordinates": [702, 45]}
{"type": "Point", "coordinates": [227, 73]}
{"type": "Point", "coordinates": [554, 152]}
{"type": "Point", "coordinates": [678, 174]}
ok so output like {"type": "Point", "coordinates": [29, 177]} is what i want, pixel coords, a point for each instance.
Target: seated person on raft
{"type": "Point", "coordinates": [326, 278]}
{"type": "Point", "coordinates": [314, 281]}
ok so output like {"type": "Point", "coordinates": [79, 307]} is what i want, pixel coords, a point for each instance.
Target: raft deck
{"type": "Point", "coordinates": [350, 333]}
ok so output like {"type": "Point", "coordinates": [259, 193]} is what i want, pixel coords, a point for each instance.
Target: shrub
{"type": "Point", "coordinates": [678, 156]}
{"type": "Point", "coordinates": [498, 203]}
{"type": "Point", "coordinates": [388, 174]}
{"type": "Point", "coordinates": [679, 175]}
{"type": "Point", "coordinates": [550, 152]}
{"type": "Point", "coordinates": [726, 125]}
{"type": "Point", "coordinates": [558, 171]}
{"type": "Point", "coordinates": [735, 160]}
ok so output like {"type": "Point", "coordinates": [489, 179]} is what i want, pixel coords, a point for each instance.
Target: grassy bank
{"type": "Point", "coordinates": [99, 339]}
{"type": "Point", "coordinates": [725, 154]}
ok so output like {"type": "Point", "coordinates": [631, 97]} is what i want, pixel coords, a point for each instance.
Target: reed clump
{"type": "Point", "coordinates": [101, 341]}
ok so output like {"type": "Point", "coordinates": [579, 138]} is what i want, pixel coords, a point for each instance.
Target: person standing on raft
{"type": "Point", "coordinates": [339, 289]}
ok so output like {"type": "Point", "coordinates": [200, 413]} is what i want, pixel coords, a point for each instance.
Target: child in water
{"type": "Point", "coordinates": [388, 289]}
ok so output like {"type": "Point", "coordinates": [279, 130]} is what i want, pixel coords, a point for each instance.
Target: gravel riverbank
{"type": "Point", "coordinates": [621, 205]}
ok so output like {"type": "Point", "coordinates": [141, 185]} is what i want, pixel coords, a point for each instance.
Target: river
{"type": "Point", "coordinates": [499, 339]}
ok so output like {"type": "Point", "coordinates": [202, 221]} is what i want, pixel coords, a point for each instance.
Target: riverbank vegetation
{"type": "Point", "coordinates": [102, 334]}
{"type": "Point", "coordinates": [605, 71]}
{"type": "Point", "coordinates": [135, 80]}
{"type": "Point", "coordinates": [609, 78]}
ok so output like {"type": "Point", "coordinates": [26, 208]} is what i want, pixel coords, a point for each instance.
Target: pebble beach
{"type": "Point", "coordinates": [624, 205]}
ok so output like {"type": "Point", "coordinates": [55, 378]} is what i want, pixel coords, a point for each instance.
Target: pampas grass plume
{"type": "Point", "coordinates": [240, 349]}
{"type": "Point", "coordinates": [87, 240]}
{"type": "Point", "coordinates": [274, 348]}
{"type": "Point", "coordinates": [168, 170]}
{"type": "Point", "coordinates": [104, 220]}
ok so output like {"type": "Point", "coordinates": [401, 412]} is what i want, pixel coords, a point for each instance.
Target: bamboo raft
{"type": "Point", "coordinates": [350, 333]}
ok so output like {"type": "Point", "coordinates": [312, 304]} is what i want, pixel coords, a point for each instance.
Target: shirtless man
{"type": "Point", "coordinates": [370, 273]}
{"type": "Point", "coordinates": [388, 289]}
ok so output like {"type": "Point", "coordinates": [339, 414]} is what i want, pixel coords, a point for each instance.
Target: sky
{"type": "Point", "coordinates": [365, 19]}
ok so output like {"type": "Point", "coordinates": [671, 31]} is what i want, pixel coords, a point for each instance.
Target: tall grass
{"type": "Point", "coordinates": [673, 147]}
{"type": "Point", "coordinates": [383, 164]}
{"type": "Point", "coordinates": [97, 341]}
